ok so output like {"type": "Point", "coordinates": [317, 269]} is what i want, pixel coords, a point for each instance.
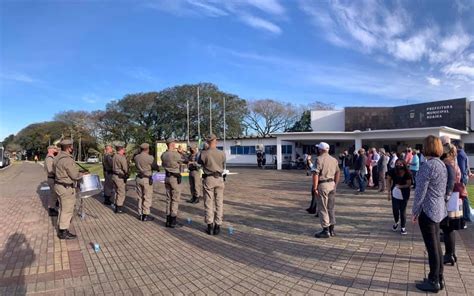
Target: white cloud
{"type": "Point", "coordinates": [459, 68]}
{"type": "Point", "coordinates": [244, 10]}
{"type": "Point", "coordinates": [260, 23]}
{"type": "Point", "coordinates": [433, 81]}
{"type": "Point", "coordinates": [412, 49]}
{"type": "Point", "coordinates": [18, 77]}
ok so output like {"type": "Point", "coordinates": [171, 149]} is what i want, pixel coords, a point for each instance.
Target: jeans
{"type": "Point", "coordinates": [399, 209]}
{"type": "Point", "coordinates": [362, 183]}
{"type": "Point", "coordinates": [413, 180]}
{"type": "Point", "coordinates": [430, 232]}
{"type": "Point", "coordinates": [347, 175]}
{"type": "Point", "coordinates": [466, 209]}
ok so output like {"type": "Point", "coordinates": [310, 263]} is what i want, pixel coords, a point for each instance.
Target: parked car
{"type": "Point", "coordinates": [93, 159]}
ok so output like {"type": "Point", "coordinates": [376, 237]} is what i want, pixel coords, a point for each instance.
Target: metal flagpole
{"type": "Point", "coordinates": [187, 117]}
{"type": "Point", "coordinates": [210, 115]}
{"type": "Point", "coordinates": [225, 163]}
{"type": "Point", "coordinates": [199, 120]}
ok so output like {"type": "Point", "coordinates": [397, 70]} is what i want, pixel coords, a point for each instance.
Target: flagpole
{"type": "Point", "coordinates": [210, 115]}
{"type": "Point", "coordinates": [187, 119]}
{"type": "Point", "coordinates": [225, 163]}
{"type": "Point", "coordinates": [199, 118]}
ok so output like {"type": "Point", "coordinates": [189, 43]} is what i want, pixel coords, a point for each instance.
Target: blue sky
{"type": "Point", "coordinates": [79, 55]}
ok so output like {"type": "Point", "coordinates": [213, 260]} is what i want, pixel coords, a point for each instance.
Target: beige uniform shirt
{"type": "Point", "coordinates": [212, 161]}
{"type": "Point", "coordinates": [171, 161]}
{"type": "Point", "coordinates": [326, 167]}
{"type": "Point", "coordinates": [65, 169]}
{"type": "Point", "coordinates": [119, 165]}
{"type": "Point", "coordinates": [145, 163]}
{"type": "Point", "coordinates": [48, 166]}
{"type": "Point", "coordinates": [107, 163]}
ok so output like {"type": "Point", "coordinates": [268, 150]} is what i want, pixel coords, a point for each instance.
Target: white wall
{"type": "Point", "coordinates": [329, 121]}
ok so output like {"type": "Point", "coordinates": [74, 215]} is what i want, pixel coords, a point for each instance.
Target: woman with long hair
{"type": "Point", "coordinates": [399, 182]}
{"type": "Point", "coordinates": [457, 191]}
{"type": "Point", "coordinates": [429, 209]}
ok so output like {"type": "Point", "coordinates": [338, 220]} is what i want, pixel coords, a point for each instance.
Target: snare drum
{"type": "Point", "coordinates": [90, 185]}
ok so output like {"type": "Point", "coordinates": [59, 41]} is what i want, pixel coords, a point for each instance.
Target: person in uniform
{"type": "Point", "coordinates": [171, 161]}
{"type": "Point", "coordinates": [195, 182]}
{"type": "Point", "coordinates": [145, 164]}
{"type": "Point", "coordinates": [48, 167]}
{"type": "Point", "coordinates": [212, 161]}
{"type": "Point", "coordinates": [66, 175]}
{"type": "Point", "coordinates": [120, 176]}
{"type": "Point", "coordinates": [107, 165]}
{"type": "Point", "coordinates": [326, 176]}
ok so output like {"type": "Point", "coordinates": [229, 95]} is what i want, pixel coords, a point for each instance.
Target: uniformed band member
{"type": "Point", "coordinates": [107, 165]}
{"type": "Point", "coordinates": [212, 161]}
{"type": "Point", "coordinates": [48, 167]}
{"type": "Point", "coordinates": [66, 174]}
{"type": "Point", "coordinates": [195, 182]}
{"type": "Point", "coordinates": [120, 176]}
{"type": "Point", "coordinates": [171, 161]}
{"type": "Point", "coordinates": [325, 179]}
{"type": "Point", "coordinates": [145, 164]}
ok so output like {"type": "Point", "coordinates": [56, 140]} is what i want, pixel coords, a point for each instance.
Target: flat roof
{"type": "Point", "coordinates": [437, 128]}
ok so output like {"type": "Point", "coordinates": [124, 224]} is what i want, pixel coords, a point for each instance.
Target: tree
{"type": "Point", "coordinates": [81, 125]}
{"type": "Point", "coordinates": [304, 123]}
{"type": "Point", "coordinates": [268, 116]}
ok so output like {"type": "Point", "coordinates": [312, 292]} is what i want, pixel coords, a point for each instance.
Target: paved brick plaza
{"type": "Point", "coordinates": [272, 250]}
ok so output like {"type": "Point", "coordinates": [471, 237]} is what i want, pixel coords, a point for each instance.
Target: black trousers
{"type": "Point", "coordinates": [399, 208]}
{"type": "Point", "coordinates": [430, 232]}
{"type": "Point", "coordinates": [375, 175]}
{"type": "Point", "coordinates": [314, 204]}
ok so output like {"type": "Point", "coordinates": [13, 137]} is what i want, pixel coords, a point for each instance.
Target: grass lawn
{"type": "Point", "coordinates": [96, 169]}
{"type": "Point", "coordinates": [470, 191]}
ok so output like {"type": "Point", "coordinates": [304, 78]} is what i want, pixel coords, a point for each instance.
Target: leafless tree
{"type": "Point", "coordinates": [268, 116]}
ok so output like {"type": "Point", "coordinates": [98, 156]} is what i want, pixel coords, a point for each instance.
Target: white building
{"type": "Point", "coordinates": [393, 128]}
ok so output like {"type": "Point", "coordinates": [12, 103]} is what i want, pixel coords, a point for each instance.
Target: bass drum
{"type": "Point", "coordinates": [90, 185]}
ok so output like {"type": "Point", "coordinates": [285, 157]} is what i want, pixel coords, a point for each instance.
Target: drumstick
{"type": "Point", "coordinates": [86, 170]}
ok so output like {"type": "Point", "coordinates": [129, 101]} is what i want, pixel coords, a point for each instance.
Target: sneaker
{"type": "Point", "coordinates": [395, 227]}
{"type": "Point", "coordinates": [403, 231]}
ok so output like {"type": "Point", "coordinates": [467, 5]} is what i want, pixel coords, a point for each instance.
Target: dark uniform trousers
{"type": "Point", "coordinates": [108, 185]}
{"type": "Point", "coordinates": [195, 183]}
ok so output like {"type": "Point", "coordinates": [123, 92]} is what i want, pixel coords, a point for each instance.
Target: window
{"type": "Point", "coordinates": [469, 148]}
{"type": "Point", "coordinates": [286, 149]}
{"type": "Point", "coordinates": [270, 149]}
{"type": "Point", "coordinates": [242, 150]}
{"type": "Point", "coordinates": [220, 148]}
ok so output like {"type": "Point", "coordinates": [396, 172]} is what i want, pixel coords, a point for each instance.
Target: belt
{"type": "Point", "coordinates": [143, 176]}
{"type": "Point", "coordinates": [51, 177]}
{"type": "Point", "coordinates": [326, 181]}
{"type": "Point", "coordinates": [170, 174]}
{"type": "Point", "coordinates": [64, 184]}
{"type": "Point", "coordinates": [214, 174]}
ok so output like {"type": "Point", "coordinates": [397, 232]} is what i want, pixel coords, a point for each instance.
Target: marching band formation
{"type": "Point", "coordinates": [206, 179]}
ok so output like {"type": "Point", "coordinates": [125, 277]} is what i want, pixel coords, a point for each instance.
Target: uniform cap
{"type": "Point", "coordinates": [170, 140]}
{"type": "Point", "coordinates": [119, 145]}
{"type": "Point", "coordinates": [211, 137]}
{"type": "Point", "coordinates": [323, 146]}
{"type": "Point", "coordinates": [145, 146]}
{"type": "Point", "coordinates": [52, 147]}
{"type": "Point", "coordinates": [66, 142]}
{"type": "Point", "coordinates": [193, 146]}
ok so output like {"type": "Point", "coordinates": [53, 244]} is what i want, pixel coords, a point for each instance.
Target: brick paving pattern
{"type": "Point", "coordinates": [272, 249]}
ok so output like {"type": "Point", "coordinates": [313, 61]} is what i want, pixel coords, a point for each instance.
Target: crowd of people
{"type": "Point", "coordinates": [206, 180]}
{"type": "Point", "coordinates": [439, 175]}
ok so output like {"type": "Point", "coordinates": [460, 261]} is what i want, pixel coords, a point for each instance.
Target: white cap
{"type": "Point", "coordinates": [323, 146]}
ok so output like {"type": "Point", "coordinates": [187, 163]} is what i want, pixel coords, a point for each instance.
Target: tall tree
{"type": "Point", "coordinates": [304, 123]}
{"type": "Point", "coordinates": [269, 116]}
